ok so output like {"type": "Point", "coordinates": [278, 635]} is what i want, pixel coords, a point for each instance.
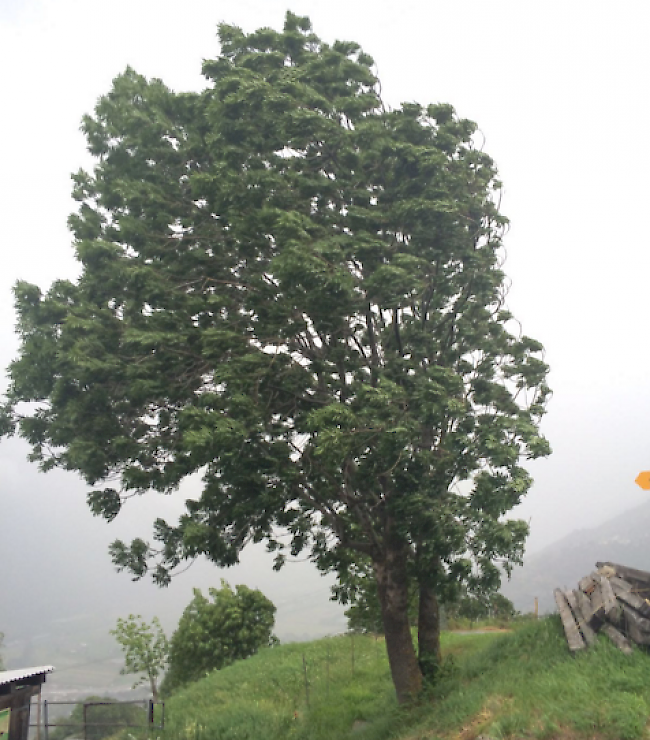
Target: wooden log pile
{"type": "Point", "coordinates": [613, 599]}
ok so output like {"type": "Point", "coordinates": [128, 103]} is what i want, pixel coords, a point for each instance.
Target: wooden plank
{"type": "Point", "coordinates": [607, 571]}
{"type": "Point", "coordinates": [637, 627]}
{"type": "Point", "coordinates": [629, 574]}
{"type": "Point", "coordinates": [588, 583]}
{"type": "Point", "coordinates": [573, 637]}
{"type": "Point", "coordinates": [641, 589]}
{"type": "Point", "coordinates": [621, 642]}
{"type": "Point", "coordinates": [597, 607]}
{"type": "Point", "coordinates": [571, 597]}
{"type": "Point", "coordinates": [622, 584]}
{"type": "Point", "coordinates": [609, 600]}
{"type": "Point", "coordinates": [632, 599]}
{"type": "Point", "coordinates": [19, 697]}
{"type": "Point", "coordinates": [584, 604]}
{"type": "Point", "coordinates": [617, 618]}
{"type": "Point", "coordinates": [588, 634]}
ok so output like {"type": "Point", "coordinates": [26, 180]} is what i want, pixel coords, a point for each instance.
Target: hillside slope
{"type": "Point", "coordinates": [522, 685]}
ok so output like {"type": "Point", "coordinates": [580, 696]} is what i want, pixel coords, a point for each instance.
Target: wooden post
{"type": "Point", "coordinates": [328, 670]}
{"type": "Point", "coordinates": [38, 717]}
{"type": "Point", "coordinates": [304, 669]}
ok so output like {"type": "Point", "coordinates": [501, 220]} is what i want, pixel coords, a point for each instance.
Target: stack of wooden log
{"type": "Point", "coordinates": [614, 599]}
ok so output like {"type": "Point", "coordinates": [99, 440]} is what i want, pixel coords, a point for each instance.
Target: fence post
{"type": "Point", "coordinates": [304, 668]}
{"type": "Point", "coordinates": [328, 670]}
{"type": "Point", "coordinates": [45, 721]}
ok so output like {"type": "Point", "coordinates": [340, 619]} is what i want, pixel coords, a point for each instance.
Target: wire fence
{"type": "Point", "coordinates": [319, 671]}
{"type": "Point", "coordinates": [90, 720]}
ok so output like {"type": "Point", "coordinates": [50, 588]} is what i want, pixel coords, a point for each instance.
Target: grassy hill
{"type": "Point", "coordinates": [518, 685]}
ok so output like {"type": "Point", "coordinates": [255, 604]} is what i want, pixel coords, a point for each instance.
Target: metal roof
{"type": "Point", "coordinates": [21, 673]}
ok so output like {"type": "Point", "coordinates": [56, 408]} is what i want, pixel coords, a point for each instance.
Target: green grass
{"type": "Point", "coordinates": [265, 696]}
{"type": "Point", "coordinates": [518, 685]}
{"type": "Point", "coordinates": [526, 685]}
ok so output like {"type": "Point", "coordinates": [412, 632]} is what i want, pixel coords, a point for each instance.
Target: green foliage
{"type": "Point", "coordinates": [215, 632]}
{"type": "Point", "coordinates": [364, 614]}
{"type": "Point", "coordinates": [101, 710]}
{"type": "Point", "coordinates": [145, 649]}
{"type": "Point", "coordinates": [298, 293]}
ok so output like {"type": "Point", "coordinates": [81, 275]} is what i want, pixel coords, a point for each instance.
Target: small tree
{"type": "Point", "coordinates": [501, 607]}
{"type": "Point", "coordinates": [217, 631]}
{"type": "Point", "coordinates": [482, 606]}
{"type": "Point", "coordinates": [145, 649]}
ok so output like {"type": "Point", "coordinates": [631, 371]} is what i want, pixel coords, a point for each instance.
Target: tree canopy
{"type": "Point", "coordinates": [214, 632]}
{"type": "Point", "coordinates": [297, 292]}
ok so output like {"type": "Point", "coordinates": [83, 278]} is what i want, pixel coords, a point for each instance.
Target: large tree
{"type": "Point", "coordinates": [298, 293]}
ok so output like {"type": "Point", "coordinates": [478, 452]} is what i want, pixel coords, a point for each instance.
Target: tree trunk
{"type": "Point", "coordinates": [428, 632]}
{"type": "Point", "coordinates": [154, 688]}
{"type": "Point", "coordinates": [392, 586]}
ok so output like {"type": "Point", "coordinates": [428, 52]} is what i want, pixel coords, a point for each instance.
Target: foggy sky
{"type": "Point", "coordinates": [559, 91]}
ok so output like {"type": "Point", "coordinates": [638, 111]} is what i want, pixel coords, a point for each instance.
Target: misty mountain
{"type": "Point", "coordinates": [623, 539]}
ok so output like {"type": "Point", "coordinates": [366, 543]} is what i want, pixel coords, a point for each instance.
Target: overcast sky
{"type": "Point", "coordinates": [560, 93]}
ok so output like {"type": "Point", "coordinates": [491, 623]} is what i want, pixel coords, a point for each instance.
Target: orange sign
{"type": "Point", "coordinates": [643, 480]}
